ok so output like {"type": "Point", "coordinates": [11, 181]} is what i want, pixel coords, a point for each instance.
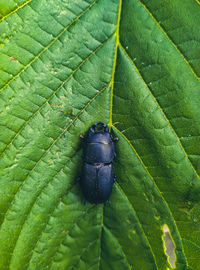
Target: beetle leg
{"type": "Point", "coordinates": [78, 179]}
{"type": "Point", "coordinates": [82, 137]}
{"type": "Point", "coordinates": [116, 139]}
{"type": "Point", "coordinates": [109, 202]}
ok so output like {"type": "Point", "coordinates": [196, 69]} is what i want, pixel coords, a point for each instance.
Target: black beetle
{"type": "Point", "coordinates": [97, 177]}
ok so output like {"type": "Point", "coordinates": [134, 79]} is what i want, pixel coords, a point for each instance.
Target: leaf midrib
{"type": "Point", "coordinates": [115, 61]}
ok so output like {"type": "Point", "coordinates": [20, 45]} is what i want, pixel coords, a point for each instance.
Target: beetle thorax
{"type": "Point", "coordinates": [99, 137]}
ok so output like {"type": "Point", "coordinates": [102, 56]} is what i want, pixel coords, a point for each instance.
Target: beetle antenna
{"type": "Point", "coordinates": [115, 123]}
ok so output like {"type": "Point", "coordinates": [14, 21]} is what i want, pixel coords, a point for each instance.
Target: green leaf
{"type": "Point", "coordinates": [134, 65]}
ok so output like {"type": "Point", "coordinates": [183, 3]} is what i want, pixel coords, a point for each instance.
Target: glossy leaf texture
{"type": "Point", "coordinates": [133, 64]}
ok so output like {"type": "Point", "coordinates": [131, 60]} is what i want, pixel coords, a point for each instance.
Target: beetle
{"type": "Point", "coordinates": [97, 176]}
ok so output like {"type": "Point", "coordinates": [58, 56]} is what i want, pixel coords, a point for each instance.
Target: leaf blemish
{"type": "Point", "coordinates": [169, 246]}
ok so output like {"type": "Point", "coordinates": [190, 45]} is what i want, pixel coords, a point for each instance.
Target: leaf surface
{"type": "Point", "coordinates": [134, 65]}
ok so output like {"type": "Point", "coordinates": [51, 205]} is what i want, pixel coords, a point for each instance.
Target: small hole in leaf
{"type": "Point", "coordinates": [169, 246]}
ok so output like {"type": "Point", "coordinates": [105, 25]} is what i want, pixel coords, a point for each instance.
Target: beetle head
{"type": "Point", "coordinates": [99, 133]}
{"type": "Point", "coordinates": [100, 126]}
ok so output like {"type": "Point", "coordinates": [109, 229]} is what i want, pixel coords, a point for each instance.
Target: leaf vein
{"type": "Point", "coordinates": [171, 40]}
{"type": "Point", "coordinates": [100, 237]}
{"type": "Point", "coordinates": [161, 110]}
{"type": "Point", "coordinates": [136, 216]}
{"type": "Point", "coordinates": [194, 244]}
{"type": "Point", "coordinates": [54, 93]}
{"type": "Point", "coordinates": [124, 255]}
{"type": "Point", "coordinates": [28, 213]}
{"type": "Point", "coordinates": [49, 45]}
{"type": "Point", "coordinates": [56, 139]}
{"type": "Point", "coordinates": [15, 10]}
{"type": "Point", "coordinates": [146, 169]}
{"type": "Point", "coordinates": [68, 231]}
